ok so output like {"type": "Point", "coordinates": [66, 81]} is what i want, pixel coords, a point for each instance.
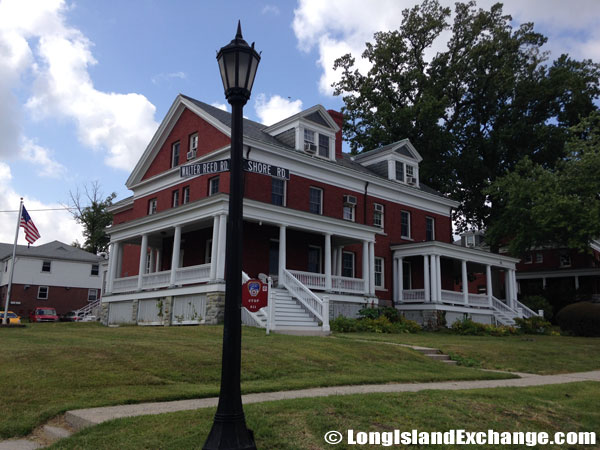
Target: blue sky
{"type": "Point", "coordinates": [84, 84]}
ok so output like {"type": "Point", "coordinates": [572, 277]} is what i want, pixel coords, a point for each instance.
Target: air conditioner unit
{"type": "Point", "coordinates": [309, 147]}
{"type": "Point", "coordinates": [411, 180]}
{"type": "Point", "coordinates": [191, 154]}
{"type": "Point", "coordinates": [378, 207]}
{"type": "Point", "coordinates": [349, 200]}
{"type": "Point", "coordinates": [470, 244]}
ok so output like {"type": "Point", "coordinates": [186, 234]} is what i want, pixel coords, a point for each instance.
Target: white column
{"type": "Point", "coordinates": [119, 260]}
{"type": "Point", "coordinates": [372, 268]}
{"type": "Point", "coordinates": [508, 287]}
{"type": "Point", "coordinates": [143, 256]}
{"type": "Point", "coordinates": [438, 259]}
{"type": "Point", "coordinates": [400, 276]}
{"type": "Point", "coordinates": [112, 266]}
{"type": "Point", "coordinates": [434, 279]}
{"type": "Point", "coordinates": [395, 279]}
{"type": "Point", "coordinates": [221, 246]}
{"type": "Point", "coordinates": [175, 254]}
{"type": "Point", "coordinates": [328, 261]}
{"type": "Point", "coordinates": [334, 260]}
{"type": "Point", "coordinates": [426, 285]}
{"type": "Point", "coordinates": [214, 250]}
{"type": "Point", "coordinates": [488, 282]}
{"type": "Point", "coordinates": [340, 251]}
{"type": "Point", "coordinates": [465, 282]}
{"type": "Point", "coordinates": [365, 269]}
{"type": "Point", "coordinates": [282, 252]}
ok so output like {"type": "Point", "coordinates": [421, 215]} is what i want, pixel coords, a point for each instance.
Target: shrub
{"type": "Point", "coordinates": [343, 325]}
{"type": "Point", "coordinates": [534, 325]}
{"type": "Point", "coordinates": [537, 302]}
{"type": "Point", "coordinates": [580, 319]}
{"type": "Point", "coordinates": [470, 328]}
{"type": "Point", "coordinates": [369, 313]}
{"type": "Point", "coordinates": [379, 324]}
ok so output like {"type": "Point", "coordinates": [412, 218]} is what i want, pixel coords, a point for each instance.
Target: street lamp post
{"type": "Point", "coordinates": [238, 63]}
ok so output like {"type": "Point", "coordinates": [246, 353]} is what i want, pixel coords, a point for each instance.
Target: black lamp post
{"type": "Point", "coordinates": [238, 62]}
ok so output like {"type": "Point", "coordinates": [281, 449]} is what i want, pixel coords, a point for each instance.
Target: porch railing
{"type": "Point", "coordinates": [346, 284]}
{"type": "Point", "coordinates": [125, 284]}
{"type": "Point", "coordinates": [478, 300]}
{"type": "Point", "coordinates": [153, 280]}
{"type": "Point", "coordinates": [452, 297]}
{"type": "Point", "coordinates": [310, 279]}
{"type": "Point", "coordinates": [319, 308]}
{"type": "Point", "coordinates": [413, 295]}
{"type": "Point", "coordinates": [192, 274]}
{"type": "Point", "coordinates": [156, 279]}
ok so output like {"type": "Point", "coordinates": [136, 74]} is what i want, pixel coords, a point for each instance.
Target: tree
{"type": "Point", "coordinates": [472, 110]}
{"type": "Point", "coordinates": [91, 212]}
{"type": "Point", "coordinates": [552, 206]}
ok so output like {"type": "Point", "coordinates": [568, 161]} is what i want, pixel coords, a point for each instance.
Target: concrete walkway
{"type": "Point", "coordinates": [82, 418]}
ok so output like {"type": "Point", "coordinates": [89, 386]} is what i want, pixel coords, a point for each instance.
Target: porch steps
{"type": "Point", "coordinates": [434, 354]}
{"type": "Point", "coordinates": [289, 315]}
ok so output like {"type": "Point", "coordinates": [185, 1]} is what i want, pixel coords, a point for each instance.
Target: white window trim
{"type": "Point", "coordinates": [353, 264]}
{"type": "Point", "coordinates": [175, 195]}
{"type": "Point", "coordinates": [193, 148]}
{"type": "Point", "coordinates": [47, 293]}
{"type": "Point", "coordinates": [50, 268]}
{"type": "Point", "coordinates": [381, 214]}
{"type": "Point", "coordinates": [210, 185]}
{"type": "Point", "coordinates": [316, 134]}
{"type": "Point", "coordinates": [173, 145]}
{"type": "Point", "coordinates": [185, 199]}
{"type": "Point", "coordinates": [320, 202]}
{"type": "Point", "coordinates": [382, 285]}
{"type": "Point", "coordinates": [95, 294]}
{"type": "Point", "coordinates": [409, 227]}
{"type": "Point", "coordinates": [352, 209]}
{"type": "Point", "coordinates": [152, 206]}
{"type": "Point", "coordinates": [320, 269]}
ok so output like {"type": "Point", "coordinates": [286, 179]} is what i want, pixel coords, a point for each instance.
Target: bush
{"type": "Point", "coordinates": [534, 325]}
{"type": "Point", "coordinates": [537, 302]}
{"type": "Point", "coordinates": [379, 324]}
{"type": "Point", "coordinates": [580, 319]}
{"type": "Point", "coordinates": [469, 328]}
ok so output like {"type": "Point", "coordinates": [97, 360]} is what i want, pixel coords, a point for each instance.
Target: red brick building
{"type": "Point", "coordinates": [335, 232]}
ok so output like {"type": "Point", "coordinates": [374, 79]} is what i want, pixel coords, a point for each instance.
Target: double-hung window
{"type": "Point", "coordinates": [175, 198]}
{"type": "Point", "coordinates": [379, 273]}
{"type": "Point", "coordinates": [278, 191]}
{"type": "Point", "coordinates": [186, 195]}
{"type": "Point", "coordinates": [314, 259]}
{"type": "Point", "coordinates": [429, 229]}
{"type": "Point", "coordinates": [95, 270]}
{"type": "Point", "coordinates": [46, 266]}
{"type": "Point", "coordinates": [348, 264]}
{"type": "Point", "coordinates": [349, 207]}
{"type": "Point", "coordinates": [405, 224]}
{"type": "Point", "coordinates": [43, 293]}
{"type": "Point", "coordinates": [378, 211]}
{"type": "Point", "coordinates": [399, 171]}
{"type": "Point", "coordinates": [175, 154]}
{"type": "Point", "coordinates": [324, 146]}
{"type": "Point", "coordinates": [309, 141]}
{"type": "Point", "coordinates": [92, 295]}
{"type": "Point", "coordinates": [315, 201]}
{"type": "Point", "coordinates": [152, 206]}
{"type": "Point", "coordinates": [193, 146]}
{"type": "Point", "coordinates": [213, 186]}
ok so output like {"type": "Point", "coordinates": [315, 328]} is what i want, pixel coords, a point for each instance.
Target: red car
{"type": "Point", "coordinates": [43, 314]}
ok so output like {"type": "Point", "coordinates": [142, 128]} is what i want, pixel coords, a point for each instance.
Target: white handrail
{"type": "Point", "coordinates": [504, 308]}
{"type": "Point", "coordinates": [87, 309]}
{"type": "Point", "coordinates": [527, 312]}
{"type": "Point", "coordinates": [309, 300]}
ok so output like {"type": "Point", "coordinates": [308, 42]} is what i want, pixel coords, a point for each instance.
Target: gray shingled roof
{"type": "Point", "coordinates": [51, 250]}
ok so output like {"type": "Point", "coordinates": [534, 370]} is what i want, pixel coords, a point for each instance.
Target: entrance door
{"type": "Point", "coordinates": [274, 258]}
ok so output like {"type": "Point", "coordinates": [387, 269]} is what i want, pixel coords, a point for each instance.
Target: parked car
{"type": "Point", "coordinates": [90, 318]}
{"type": "Point", "coordinates": [43, 314]}
{"type": "Point", "coordinates": [13, 319]}
{"type": "Point", "coordinates": [72, 316]}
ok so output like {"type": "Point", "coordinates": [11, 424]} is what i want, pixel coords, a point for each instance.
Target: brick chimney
{"type": "Point", "coordinates": [338, 117]}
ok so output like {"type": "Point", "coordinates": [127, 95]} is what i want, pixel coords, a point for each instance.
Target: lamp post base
{"type": "Point", "coordinates": [229, 433]}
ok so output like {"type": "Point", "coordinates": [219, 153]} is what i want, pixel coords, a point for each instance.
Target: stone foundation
{"type": "Point", "coordinates": [215, 308]}
{"type": "Point", "coordinates": [104, 314]}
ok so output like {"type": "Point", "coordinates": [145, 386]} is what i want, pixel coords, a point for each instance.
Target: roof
{"type": "Point", "coordinates": [51, 250]}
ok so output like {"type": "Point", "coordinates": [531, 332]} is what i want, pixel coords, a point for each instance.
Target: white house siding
{"type": "Point", "coordinates": [62, 273]}
{"type": "Point", "coordinates": [120, 313]}
{"type": "Point", "coordinates": [189, 309]}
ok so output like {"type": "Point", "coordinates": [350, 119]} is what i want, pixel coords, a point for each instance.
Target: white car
{"type": "Point", "coordinates": [90, 318]}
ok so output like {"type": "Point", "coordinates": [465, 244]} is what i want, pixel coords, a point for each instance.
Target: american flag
{"type": "Point", "coordinates": [31, 232]}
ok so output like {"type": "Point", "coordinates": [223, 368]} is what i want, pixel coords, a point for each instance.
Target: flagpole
{"type": "Point", "coordinates": [12, 268]}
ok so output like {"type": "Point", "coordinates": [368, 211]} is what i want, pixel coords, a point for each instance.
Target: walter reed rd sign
{"type": "Point", "coordinates": [222, 165]}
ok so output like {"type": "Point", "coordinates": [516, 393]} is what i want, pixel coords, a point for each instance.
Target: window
{"type": "Point", "coordinates": [470, 240]}
{"type": "Point", "coordinates": [565, 260]}
{"type": "Point", "coordinates": [405, 224]}
{"type": "Point", "coordinates": [309, 140]}
{"type": "Point", "coordinates": [315, 200]}
{"type": "Point", "coordinates": [213, 186]}
{"type": "Point", "coordinates": [186, 195]}
{"type": "Point", "coordinates": [92, 295]}
{"type": "Point", "coordinates": [151, 206]}
{"type": "Point", "coordinates": [193, 146]}
{"type": "Point", "coordinates": [175, 199]}
{"type": "Point", "coordinates": [278, 191]}
{"type": "Point", "coordinates": [95, 270]}
{"type": "Point", "coordinates": [348, 264]}
{"type": "Point", "coordinates": [379, 273]}
{"type": "Point", "coordinates": [42, 293]}
{"type": "Point", "coordinates": [410, 171]}
{"type": "Point", "coordinates": [528, 259]}
{"type": "Point", "coordinates": [349, 207]}
{"type": "Point", "coordinates": [399, 171]}
{"type": "Point", "coordinates": [539, 258]}
{"type": "Point", "coordinates": [323, 146]}
{"type": "Point", "coordinates": [208, 252]}
{"type": "Point", "coordinates": [175, 154]}
{"type": "Point", "coordinates": [378, 215]}
{"type": "Point", "coordinates": [46, 266]}
{"type": "Point", "coordinates": [314, 259]}
{"type": "Point", "coordinates": [429, 228]}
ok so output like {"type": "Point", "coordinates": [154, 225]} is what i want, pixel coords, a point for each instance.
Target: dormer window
{"type": "Point", "coordinates": [324, 146]}
{"type": "Point", "coordinates": [410, 174]}
{"type": "Point", "coordinates": [309, 141]}
{"type": "Point", "coordinates": [317, 144]}
{"type": "Point", "coordinates": [399, 171]}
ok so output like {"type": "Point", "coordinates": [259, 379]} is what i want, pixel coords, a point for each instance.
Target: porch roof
{"type": "Point", "coordinates": [454, 252]}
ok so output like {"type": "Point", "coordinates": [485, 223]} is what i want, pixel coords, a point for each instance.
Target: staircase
{"type": "Point", "coordinates": [90, 309]}
{"type": "Point", "coordinates": [290, 316]}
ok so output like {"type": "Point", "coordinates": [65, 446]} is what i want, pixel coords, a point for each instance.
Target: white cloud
{"type": "Point", "coordinates": [275, 109]}
{"type": "Point", "coordinates": [222, 106]}
{"type": "Point", "coordinates": [41, 157]}
{"type": "Point", "coordinates": [118, 124]}
{"type": "Point", "coordinates": [271, 9]}
{"type": "Point", "coordinates": [52, 225]}
{"type": "Point", "coordinates": [336, 27]}
{"type": "Point", "coordinates": [156, 79]}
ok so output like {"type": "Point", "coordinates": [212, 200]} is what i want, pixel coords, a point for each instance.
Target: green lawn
{"type": "Point", "coordinates": [301, 424]}
{"type": "Point", "coordinates": [525, 353]}
{"type": "Point", "coordinates": [47, 368]}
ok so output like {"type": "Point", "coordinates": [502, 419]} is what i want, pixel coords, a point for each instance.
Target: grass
{"type": "Point", "coordinates": [301, 424]}
{"type": "Point", "coordinates": [50, 368]}
{"type": "Point", "coordinates": [525, 353]}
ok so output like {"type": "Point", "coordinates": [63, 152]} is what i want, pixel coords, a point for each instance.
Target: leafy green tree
{"type": "Point", "coordinates": [558, 206]}
{"type": "Point", "coordinates": [472, 110]}
{"type": "Point", "coordinates": [92, 213]}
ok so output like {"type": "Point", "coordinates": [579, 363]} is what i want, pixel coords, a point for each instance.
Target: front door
{"type": "Point", "coordinates": [274, 258]}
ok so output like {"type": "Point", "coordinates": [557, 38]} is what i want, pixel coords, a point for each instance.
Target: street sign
{"type": "Point", "coordinates": [204, 168]}
{"type": "Point", "coordinates": [254, 295]}
{"type": "Point", "coordinates": [222, 165]}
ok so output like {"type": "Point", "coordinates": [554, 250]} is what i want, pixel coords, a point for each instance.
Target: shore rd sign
{"type": "Point", "coordinates": [223, 165]}
{"type": "Point", "coordinates": [254, 295]}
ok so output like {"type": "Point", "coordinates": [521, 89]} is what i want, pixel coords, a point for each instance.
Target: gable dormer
{"type": "Point", "coordinates": [397, 162]}
{"type": "Point", "coordinates": [312, 132]}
